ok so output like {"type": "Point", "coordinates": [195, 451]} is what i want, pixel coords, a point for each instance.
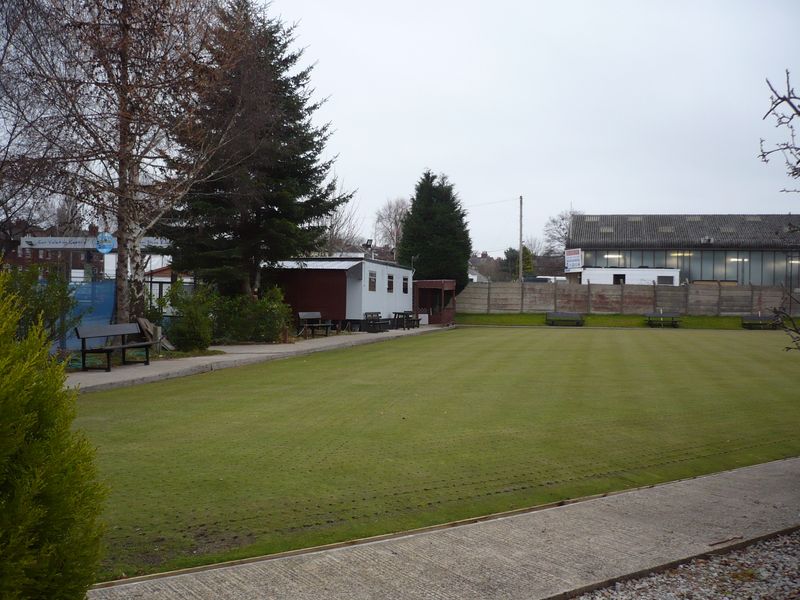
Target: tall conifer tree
{"type": "Point", "coordinates": [274, 185]}
{"type": "Point", "coordinates": [435, 233]}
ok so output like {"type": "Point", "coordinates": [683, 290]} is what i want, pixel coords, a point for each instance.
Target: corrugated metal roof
{"type": "Point", "coordinates": [328, 265]}
{"type": "Point", "coordinates": [684, 231]}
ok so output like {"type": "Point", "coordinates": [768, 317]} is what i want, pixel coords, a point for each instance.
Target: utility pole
{"type": "Point", "coordinates": [521, 288]}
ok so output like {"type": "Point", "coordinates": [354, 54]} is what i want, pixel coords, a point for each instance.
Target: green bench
{"type": "Point", "coordinates": [760, 322]}
{"type": "Point", "coordinates": [663, 319]}
{"type": "Point", "coordinates": [564, 318]}
{"type": "Point", "coordinates": [120, 330]}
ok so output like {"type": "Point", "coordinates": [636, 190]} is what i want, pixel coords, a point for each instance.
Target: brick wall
{"type": "Point", "coordinates": [692, 299]}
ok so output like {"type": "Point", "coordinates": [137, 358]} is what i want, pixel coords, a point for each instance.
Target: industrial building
{"type": "Point", "coordinates": [761, 250]}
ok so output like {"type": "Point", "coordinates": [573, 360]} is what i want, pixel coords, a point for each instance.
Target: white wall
{"type": "Point", "coordinates": [380, 300]}
{"type": "Point", "coordinates": [632, 276]}
{"type": "Point", "coordinates": [154, 261]}
{"type": "Point", "coordinates": [354, 303]}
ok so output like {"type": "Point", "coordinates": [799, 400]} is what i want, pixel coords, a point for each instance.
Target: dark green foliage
{"type": "Point", "coordinates": [270, 185]}
{"type": "Point", "coordinates": [43, 294]}
{"type": "Point", "coordinates": [202, 316]}
{"type": "Point", "coordinates": [435, 233]}
{"type": "Point", "coordinates": [243, 319]}
{"type": "Point", "coordinates": [191, 325]}
{"type": "Point", "coordinates": [49, 495]}
{"type": "Point", "coordinates": [511, 262]}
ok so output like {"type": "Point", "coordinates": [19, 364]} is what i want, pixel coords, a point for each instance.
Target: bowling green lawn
{"type": "Point", "coordinates": [425, 430]}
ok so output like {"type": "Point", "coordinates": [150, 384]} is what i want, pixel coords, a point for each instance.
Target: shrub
{"type": "Point", "coordinates": [243, 319]}
{"type": "Point", "coordinates": [190, 328]}
{"type": "Point", "coordinates": [49, 495]}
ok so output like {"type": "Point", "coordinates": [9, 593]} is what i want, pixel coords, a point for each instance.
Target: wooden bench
{"type": "Point", "coordinates": [375, 323]}
{"type": "Point", "coordinates": [553, 318]}
{"type": "Point", "coordinates": [663, 319]}
{"type": "Point", "coordinates": [760, 322]}
{"type": "Point", "coordinates": [312, 321]}
{"type": "Point", "coordinates": [121, 330]}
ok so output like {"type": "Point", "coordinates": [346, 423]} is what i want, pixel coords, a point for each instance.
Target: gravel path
{"type": "Point", "coordinates": [767, 570]}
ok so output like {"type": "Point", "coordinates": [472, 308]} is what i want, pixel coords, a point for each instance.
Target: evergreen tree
{"type": "Point", "coordinates": [435, 233]}
{"type": "Point", "coordinates": [274, 187]}
{"type": "Point", "coordinates": [49, 495]}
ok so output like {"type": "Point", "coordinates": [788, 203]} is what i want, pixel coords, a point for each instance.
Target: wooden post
{"type": "Point", "coordinates": [622, 298]}
{"type": "Point", "coordinates": [521, 280]}
{"type": "Point", "coordinates": [719, 298]}
{"type": "Point", "coordinates": [489, 297]}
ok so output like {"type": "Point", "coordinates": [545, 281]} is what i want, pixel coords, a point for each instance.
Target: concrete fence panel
{"type": "Point", "coordinates": [538, 297]}
{"type": "Point", "coordinates": [638, 299]}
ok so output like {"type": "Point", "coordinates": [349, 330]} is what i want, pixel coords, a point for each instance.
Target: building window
{"type": "Point", "coordinates": [405, 285]}
{"type": "Point", "coordinates": [41, 253]}
{"type": "Point", "coordinates": [390, 284]}
{"type": "Point", "coordinates": [373, 281]}
{"type": "Point", "coordinates": [665, 280]}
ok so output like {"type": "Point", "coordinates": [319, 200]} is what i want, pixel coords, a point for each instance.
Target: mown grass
{"type": "Point", "coordinates": [423, 430]}
{"type": "Point", "coordinates": [612, 320]}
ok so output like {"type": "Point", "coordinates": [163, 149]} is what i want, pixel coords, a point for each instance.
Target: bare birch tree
{"type": "Point", "coordinates": [389, 223]}
{"type": "Point", "coordinates": [342, 228]}
{"type": "Point", "coordinates": [114, 87]}
{"type": "Point", "coordinates": [785, 109]}
{"type": "Point", "coordinates": [22, 206]}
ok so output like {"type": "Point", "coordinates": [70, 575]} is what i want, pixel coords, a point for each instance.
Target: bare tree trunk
{"type": "Point", "coordinates": [137, 287]}
{"type": "Point", "coordinates": [122, 287]}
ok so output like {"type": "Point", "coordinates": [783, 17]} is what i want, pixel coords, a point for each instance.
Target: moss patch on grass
{"type": "Point", "coordinates": [426, 429]}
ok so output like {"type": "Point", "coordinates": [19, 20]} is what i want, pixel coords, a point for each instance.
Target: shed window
{"type": "Point", "coordinates": [390, 284]}
{"type": "Point", "coordinates": [665, 280]}
{"type": "Point", "coordinates": [405, 285]}
{"type": "Point", "coordinates": [373, 281]}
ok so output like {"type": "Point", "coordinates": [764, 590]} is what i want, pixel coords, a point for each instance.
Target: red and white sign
{"type": "Point", "coordinates": [573, 260]}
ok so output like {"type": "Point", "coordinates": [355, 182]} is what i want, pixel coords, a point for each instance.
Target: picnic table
{"type": "Point", "coordinates": [312, 322]}
{"type": "Point", "coordinates": [663, 319]}
{"type": "Point", "coordinates": [553, 318]}
{"type": "Point", "coordinates": [375, 323]}
{"type": "Point", "coordinates": [405, 319]}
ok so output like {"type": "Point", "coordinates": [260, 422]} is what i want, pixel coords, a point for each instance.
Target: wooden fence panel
{"type": "Point", "coordinates": [693, 299]}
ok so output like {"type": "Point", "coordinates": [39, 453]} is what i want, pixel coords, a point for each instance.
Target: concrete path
{"type": "Point", "coordinates": [235, 356]}
{"type": "Point", "coordinates": [539, 554]}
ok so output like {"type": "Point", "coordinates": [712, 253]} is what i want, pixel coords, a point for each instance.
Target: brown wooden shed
{"type": "Point", "coordinates": [437, 299]}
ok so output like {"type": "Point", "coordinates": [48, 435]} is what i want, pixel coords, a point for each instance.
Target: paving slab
{"type": "Point", "coordinates": [554, 552]}
{"type": "Point", "coordinates": [234, 356]}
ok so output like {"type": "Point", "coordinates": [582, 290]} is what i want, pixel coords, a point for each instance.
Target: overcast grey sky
{"type": "Point", "coordinates": [605, 106]}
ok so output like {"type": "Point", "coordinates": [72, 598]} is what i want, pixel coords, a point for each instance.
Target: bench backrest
{"type": "Point", "coordinates": [307, 316]}
{"type": "Point", "coordinates": [91, 331]}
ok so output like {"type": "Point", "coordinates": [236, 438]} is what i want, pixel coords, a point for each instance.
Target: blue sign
{"type": "Point", "coordinates": [105, 242]}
